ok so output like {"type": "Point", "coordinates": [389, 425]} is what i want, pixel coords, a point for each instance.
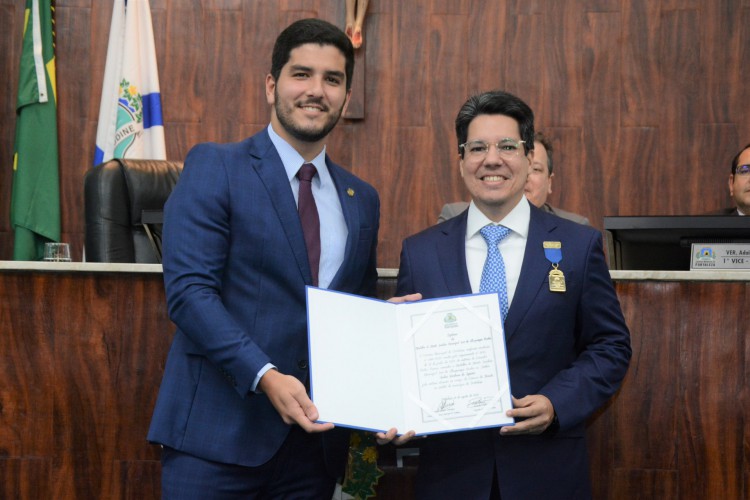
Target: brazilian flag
{"type": "Point", "coordinates": [35, 201]}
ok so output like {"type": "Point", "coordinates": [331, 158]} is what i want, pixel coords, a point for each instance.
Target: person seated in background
{"type": "Point", "coordinates": [739, 185]}
{"type": "Point", "coordinates": [538, 185]}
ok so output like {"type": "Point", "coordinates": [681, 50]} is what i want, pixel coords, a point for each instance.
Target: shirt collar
{"type": "Point", "coordinates": [292, 160]}
{"type": "Point", "coordinates": [517, 220]}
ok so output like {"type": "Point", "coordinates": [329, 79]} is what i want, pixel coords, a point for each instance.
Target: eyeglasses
{"type": "Point", "coordinates": [742, 170]}
{"type": "Point", "coordinates": [507, 148]}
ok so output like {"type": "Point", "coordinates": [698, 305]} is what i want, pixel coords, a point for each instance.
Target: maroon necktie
{"type": "Point", "coordinates": [308, 215]}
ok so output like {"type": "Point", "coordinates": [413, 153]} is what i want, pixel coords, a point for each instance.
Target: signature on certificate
{"type": "Point", "coordinates": [478, 402]}
{"type": "Point", "coordinates": [446, 404]}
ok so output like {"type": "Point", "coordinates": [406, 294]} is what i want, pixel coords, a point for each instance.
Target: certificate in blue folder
{"type": "Point", "coordinates": [430, 366]}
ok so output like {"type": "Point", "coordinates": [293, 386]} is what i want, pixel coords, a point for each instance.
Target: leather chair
{"type": "Point", "coordinates": [115, 195]}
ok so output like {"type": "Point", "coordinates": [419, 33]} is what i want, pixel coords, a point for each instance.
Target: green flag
{"type": "Point", "coordinates": [35, 201]}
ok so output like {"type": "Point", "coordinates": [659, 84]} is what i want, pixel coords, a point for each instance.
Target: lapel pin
{"type": "Point", "coordinates": [350, 192]}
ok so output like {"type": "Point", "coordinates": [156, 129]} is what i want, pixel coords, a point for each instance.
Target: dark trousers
{"type": "Point", "coordinates": [296, 471]}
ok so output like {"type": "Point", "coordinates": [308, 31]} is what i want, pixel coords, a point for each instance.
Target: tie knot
{"type": "Point", "coordinates": [306, 172]}
{"type": "Point", "coordinates": [494, 234]}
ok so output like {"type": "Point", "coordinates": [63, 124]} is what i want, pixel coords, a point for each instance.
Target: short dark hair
{"type": "Point", "coordinates": [496, 102]}
{"type": "Point", "coordinates": [311, 31]}
{"type": "Point", "coordinates": [544, 141]}
{"type": "Point", "coordinates": [736, 159]}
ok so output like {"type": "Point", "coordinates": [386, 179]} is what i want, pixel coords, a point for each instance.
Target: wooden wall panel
{"type": "Point", "coordinates": [186, 96]}
{"type": "Point", "coordinates": [644, 186]}
{"type": "Point", "coordinates": [601, 5]}
{"type": "Point", "coordinates": [717, 141]}
{"type": "Point", "coordinates": [404, 65]}
{"type": "Point", "coordinates": [679, 92]}
{"type": "Point", "coordinates": [671, 5]}
{"type": "Point", "coordinates": [449, 6]}
{"type": "Point", "coordinates": [599, 171]}
{"type": "Point", "coordinates": [259, 30]}
{"type": "Point", "coordinates": [357, 147]}
{"type": "Point", "coordinates": [736, 109]}
{"type": "Point", "coordinates": [639, 153]}
{"type": "Point", "coordinates": [566, 183]}
{"type": "Point", "coordinates": [719, 30]}
{"type": "Point", "coordinates": [73, 68]}
{"type": "Point", "coordinates": [414, 187]}
{"type": "Point", "coordinates": [25, 478]}
{"type": "Point", "coordinates": [486, 68]}
{"type": "Point", "coordinates": [221, 32]}
{"type": "Point", "coordinates": [654, 89]}
{"type": "Point", "coordinates": [229, 5]}
{"type": "Point", "coordinates": [10, 43]}
{"type": "Point", "coordinates": [563, 47]}
{"type": "Point", "coordinates": [300, 5]}
{"type": "Point", "coordinates": [100, 14]}
{"type": "Point", "coordinates": [640, 69]}
{"type": "Point", "coordinates": [522, 38]}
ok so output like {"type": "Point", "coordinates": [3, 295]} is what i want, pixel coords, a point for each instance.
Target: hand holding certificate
{"type": "Point", "coordinates": [431, 366]}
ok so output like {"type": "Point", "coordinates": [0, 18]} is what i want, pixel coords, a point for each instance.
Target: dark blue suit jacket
{"type": "Point", "coordinates": [235, 270]}
{"type": "Point", "coordinates": [573, 347]}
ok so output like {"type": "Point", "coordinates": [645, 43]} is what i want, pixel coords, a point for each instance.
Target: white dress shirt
{"type": "Point", "coordinates": [512, 247]}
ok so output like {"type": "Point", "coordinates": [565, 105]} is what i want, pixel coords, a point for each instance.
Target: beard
{"type": "Point", "coordinates": [305, 134]}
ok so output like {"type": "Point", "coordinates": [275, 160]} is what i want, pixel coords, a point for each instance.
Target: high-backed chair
{"type": "Point", "coordinates": [115, 195]}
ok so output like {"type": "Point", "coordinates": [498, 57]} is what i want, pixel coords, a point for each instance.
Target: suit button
{"type": "Point", "coordinates": [302, 364]}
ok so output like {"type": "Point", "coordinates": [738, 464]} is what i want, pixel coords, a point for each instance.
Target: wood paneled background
{"type": "Point", "coordinates": [646, 99]}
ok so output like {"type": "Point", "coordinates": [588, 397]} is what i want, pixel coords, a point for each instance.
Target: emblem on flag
{"type": "Point", "coordinates": [129, 116]}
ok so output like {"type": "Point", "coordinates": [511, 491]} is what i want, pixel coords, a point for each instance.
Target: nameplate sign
{"type": "Point", "coordinates": [720, 256]}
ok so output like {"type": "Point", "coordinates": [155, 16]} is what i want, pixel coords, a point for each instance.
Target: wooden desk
{"type": "Point", "coordinates": [678, 427]}
{"type": "Point", "coordinates": [83, 348]}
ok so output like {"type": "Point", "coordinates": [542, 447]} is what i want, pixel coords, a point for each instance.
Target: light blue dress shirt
{"type": "Point", "coordinates": [333, 230]}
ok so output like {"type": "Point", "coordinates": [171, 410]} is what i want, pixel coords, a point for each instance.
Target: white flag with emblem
{"type": "Point", "coordinates": [130, 118]}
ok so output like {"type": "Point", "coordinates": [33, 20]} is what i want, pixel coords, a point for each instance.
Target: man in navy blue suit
{"type": "Point", "coordinates": [567, 342]}
{"type": "Point", "coordinates": [233, 414]}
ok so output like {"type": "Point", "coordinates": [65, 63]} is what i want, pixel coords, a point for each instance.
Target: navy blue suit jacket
{"type": "Point", "coordinates": [235, 270]}
{"type": "Point", "coordinates": [572, 347]}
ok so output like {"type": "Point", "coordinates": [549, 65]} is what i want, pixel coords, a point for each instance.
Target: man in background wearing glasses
{"type": "Point", "coordinates": [739, 184]}
{"type": "Point", "coordinates": [567, 342]}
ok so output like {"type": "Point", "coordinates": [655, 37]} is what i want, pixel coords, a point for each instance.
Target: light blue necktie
{"type": "Point", "coordinates": [493, 274]}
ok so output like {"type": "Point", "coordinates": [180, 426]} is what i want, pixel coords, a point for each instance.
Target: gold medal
{"type": "Point", "coordinates": [556, 280]}
{"type": "Point", "coordinates": [553, 253]}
